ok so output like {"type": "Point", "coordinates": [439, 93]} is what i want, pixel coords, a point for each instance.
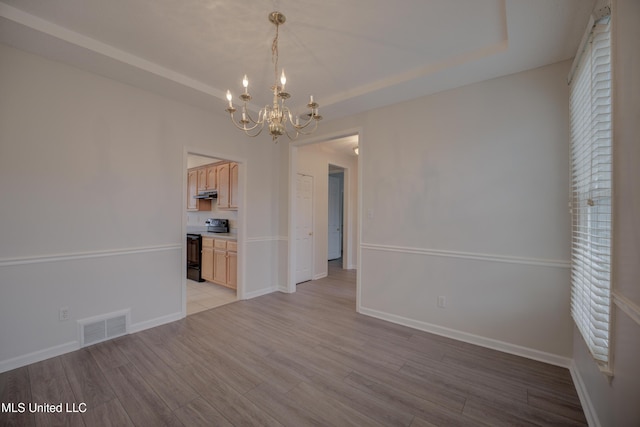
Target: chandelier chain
{"type": "Point", "coordinates": [274, 52]}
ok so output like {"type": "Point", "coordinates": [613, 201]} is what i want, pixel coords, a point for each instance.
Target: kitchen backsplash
{"type": "Point", "coordinates": [198, 218]}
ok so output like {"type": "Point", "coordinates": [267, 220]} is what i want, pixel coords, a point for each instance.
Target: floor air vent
{"type": "Point", "coordinates": [102, 328]}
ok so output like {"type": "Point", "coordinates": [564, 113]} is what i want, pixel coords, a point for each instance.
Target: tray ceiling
{"type": "Point", "coordinates": [352, 56]}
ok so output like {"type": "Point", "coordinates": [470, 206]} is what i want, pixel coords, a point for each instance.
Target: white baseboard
{"type": "Point", "coordinates": [38, 356]}
{"type": "Point", "coordinates": [505, 347]}
{"type": "Point", "coordinates": [585, 400]}
{"type": "Point", "coordinates": [58, 350]}
{"type": "Point", "coordinates": [320, 276]}
{"type": "Point", "coordinates": [148, 324]}
{"type": "Point", "coordinates": [260, 292]}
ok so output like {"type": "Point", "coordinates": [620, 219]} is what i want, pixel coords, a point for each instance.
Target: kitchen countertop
{"type": "Point", "coordinates": [222, 236]}
{"type": "Point", "coordinates": [202, 230]}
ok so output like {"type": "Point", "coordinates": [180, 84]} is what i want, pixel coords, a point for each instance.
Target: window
{"type": "Point", "coordinates": [591, 188]}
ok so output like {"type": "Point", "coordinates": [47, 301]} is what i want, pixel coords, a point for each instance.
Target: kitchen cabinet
{"type": "Point", "coordinates": [207, 179]}
{"type": "Point", "coordinates": [232, 265]}
{"type": "Point", "coordinates": [207, 259]}
{"type": "Point", "coordinates": [220, 262]}
{"type": "Point", "coordinates": [212, 177]}
{"type": "Point", "coordinates": [228, 186]}
{"type": "Point", "coordinates": [222, 177]}
{"type": "Point", "coordinates": [233, 186]}
{"type": "Point", "coordinates": [194, 204]}
{"type": "Point", "coordinates": [223, 186]}
{"type": "Point", "coordinates": [202, 179]}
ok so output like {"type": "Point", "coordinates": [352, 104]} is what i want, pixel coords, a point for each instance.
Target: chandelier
{"type": "Point", "coordinates": [278, 117]}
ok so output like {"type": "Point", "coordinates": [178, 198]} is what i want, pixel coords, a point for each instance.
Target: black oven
{"type": "Point", "coordinates": [194, 257]}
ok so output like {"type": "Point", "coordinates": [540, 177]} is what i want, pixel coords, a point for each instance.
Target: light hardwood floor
{"type": "Point", "coordinates": [302, 359]}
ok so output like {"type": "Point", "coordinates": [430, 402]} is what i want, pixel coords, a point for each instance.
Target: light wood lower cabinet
{"type": "Point", "coordinates": [220, 262]}
{"type": "Point", "coordinates": [232, 265]}
{"type": "Point", "coordinates": [207, 259]}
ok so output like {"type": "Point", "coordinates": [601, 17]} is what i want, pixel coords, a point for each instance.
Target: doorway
{"type": "Point", "coordinates": [207, 174]}
{"type": "Point", "coordinates": [335, 215]}
{"type": "Point", "coordinates": [334, 235]}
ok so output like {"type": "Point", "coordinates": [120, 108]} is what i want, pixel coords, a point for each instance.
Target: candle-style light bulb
{"type": "Point", "coordinates": [283, 79]}
{"type": "Point", "coordinates": [311, 99]}
{"type": "Point", "coordinates": [229, 97]}
{"type": "Point", "coordinates": [245, 83]}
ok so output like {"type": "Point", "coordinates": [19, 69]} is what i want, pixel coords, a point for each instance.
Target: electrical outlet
{"type": "Point", "coordinates": [63, 314]}
{"type": "Point", "coordinates": [442, 301]}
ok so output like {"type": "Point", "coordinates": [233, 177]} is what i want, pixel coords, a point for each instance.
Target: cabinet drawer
{"type": "Point", "coordinates": [220, 244]}
{"type": "Point", "coordinates": [232, 246]}
{"type": "Point", "coordinates": [207, 242]}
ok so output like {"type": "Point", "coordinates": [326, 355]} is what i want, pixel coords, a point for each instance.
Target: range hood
{"type": "Point", "coordinates": [207, 195]}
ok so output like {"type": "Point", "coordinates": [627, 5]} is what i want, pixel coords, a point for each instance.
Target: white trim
{"type": "Point", "coordinates": [108, 51]}
{"type": "Point", "coordinates": [37, 356]}
{"type": "Point", "coordinates": [498, 345]}
{"type": "Point", "coordinates": [320, 276]}
{"type": "Point", "coordinates": [58, 350]}
{"type": "Point", "coordinates": [267, 239]}
{"type": "Point", "coordinates": [587, 406]}
{"type": "Point", "coordinates": [84, 255]}
{"type": "Point", "coordinates": [629, 307]}
{"type": "Point", "coordinates": [468, 255]}
{"type": "Point", "coordinates": [152, 323]}
{"type": "Point", "coordinates": [260, 292]}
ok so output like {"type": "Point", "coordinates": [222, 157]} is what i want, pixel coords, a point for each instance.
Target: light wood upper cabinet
{"type": "Point", "coordinates": [192, 190]}
{"type": "Point", "coordinates": [223, 186]}
{"type": "Point", "coordinates": [207, 179]}
{"type": "Point", "coordinates": [212, 177]}
{"type": "Point", "coordinates": [228, 186]}
{"type": "Point", "coordinates": [218, 176]}
{"type": "Point", "coordinates": [233, 186]}
{"type": "Point", "coordinates": [194, 204]}
{"type": "Point", "coordinates": [202, 179]}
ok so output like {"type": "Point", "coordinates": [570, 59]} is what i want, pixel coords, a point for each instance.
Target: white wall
{"type": "Point", "coordinates": [92, 180]}
{"type": "Point", "coordinates": [468, 190]}
{"type": "Point", "coordinates": [314, 160]}
{"type": "Point", "coordinates": [615, 403]}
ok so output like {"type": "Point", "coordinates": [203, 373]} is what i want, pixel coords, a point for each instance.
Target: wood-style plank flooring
{"type": "Point", "coordinates": [302, 359]}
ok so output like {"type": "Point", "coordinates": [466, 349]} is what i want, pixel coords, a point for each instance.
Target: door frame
{"type": "Point", "coordinates": [242, 217]}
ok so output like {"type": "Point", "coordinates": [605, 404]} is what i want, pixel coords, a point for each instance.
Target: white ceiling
{"type": "Point", "coordinates": [351, 55]}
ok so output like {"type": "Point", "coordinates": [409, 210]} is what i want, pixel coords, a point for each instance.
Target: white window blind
{"type": "Point", "coordinates": [591, 190]}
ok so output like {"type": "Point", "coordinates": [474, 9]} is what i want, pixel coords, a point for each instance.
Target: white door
{"type": "Point", "coordinates": [304, 227]}
{"type": "Point", "coordinates": [335, 218]}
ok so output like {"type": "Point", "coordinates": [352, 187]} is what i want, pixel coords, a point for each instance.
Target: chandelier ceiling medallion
{"type": "Point", "coordinates": [278, 117]}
